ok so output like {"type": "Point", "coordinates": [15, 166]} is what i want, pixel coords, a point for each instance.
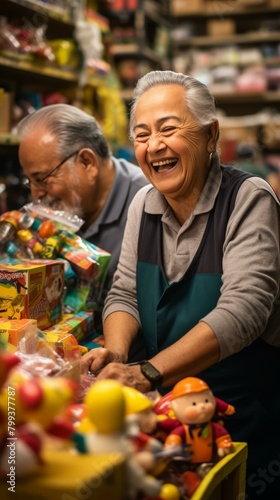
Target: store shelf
{"type": "Point", "coordinates": [38, 68]}
{"type": "Point", "coordinates": [139, 41]}
{"type": "Point", "coordinates": [54, 12]}
{"type": "Point", "coordinates": [8, 140]}
{"type": "Point", "coordinates": [42, 69]}
{"type": "Point", "coordinates": [133, 49]}
{"type": "Point", "coordinates": [121, 49]}
{"type": "Point", "coordinates": [210, 41]}
{"type": "Point", "coordinates": [265, 61]}
{"type": "Point", "coordinates": [227, 9]}
{"type": "Point", "coordinates": [239, 97]}
{"type": "Point", "coordinates": [31, 81]}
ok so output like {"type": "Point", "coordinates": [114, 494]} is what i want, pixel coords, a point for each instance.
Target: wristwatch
{"type": "Point", "coordinates": [152, 374]}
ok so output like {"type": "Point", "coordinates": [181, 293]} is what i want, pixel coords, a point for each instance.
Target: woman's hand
{"type": "Point", "coordinates": [130, 375]}
{"type": "Point", "coordinates": [97, 358]}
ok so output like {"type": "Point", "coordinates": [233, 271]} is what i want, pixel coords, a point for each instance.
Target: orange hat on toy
{"type": "Point", "coordinates": [189, 385]}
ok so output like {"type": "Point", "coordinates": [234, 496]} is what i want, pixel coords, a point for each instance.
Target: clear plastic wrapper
{"type": "Point", "coordinates": [39, 359]}
{"type": "Point", "coordinates": [61, 218]}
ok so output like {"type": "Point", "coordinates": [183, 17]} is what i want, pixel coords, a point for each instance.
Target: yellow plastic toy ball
{"type": "Point", "coordinates": [169, 492]}
{"type": "Point", "coordinates": [106, 406]}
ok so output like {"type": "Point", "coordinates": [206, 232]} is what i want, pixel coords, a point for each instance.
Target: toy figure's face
{"type": "Point", "coordinates": [195, 408]}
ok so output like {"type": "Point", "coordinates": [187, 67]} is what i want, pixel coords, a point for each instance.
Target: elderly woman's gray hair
{"type": "Point", "coordinates": [73, 128]}
{"type": "Point", "coordinates": [199, 101]}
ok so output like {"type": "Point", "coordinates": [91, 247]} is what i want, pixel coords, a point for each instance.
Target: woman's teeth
{"type": "Point", "coordinates": [161, 166]}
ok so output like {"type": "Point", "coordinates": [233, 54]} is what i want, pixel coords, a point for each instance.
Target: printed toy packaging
{"type": "Point", "coordinates": [12, 331]}
{"type": "Point", "coordinates": [79, 325]}
{"type": "Point", "coordinates": [38, 232]}
{"type": "Point", "coordinates": [32, 289]}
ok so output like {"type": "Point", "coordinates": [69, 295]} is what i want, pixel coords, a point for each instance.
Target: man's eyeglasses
{"type": "Point", "coordinates": [41, 183]}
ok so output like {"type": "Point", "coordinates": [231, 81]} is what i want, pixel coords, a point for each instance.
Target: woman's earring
{"type": "Point", "coordinates": [211, 154]}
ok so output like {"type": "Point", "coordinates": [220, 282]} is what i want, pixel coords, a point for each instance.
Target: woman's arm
{"type": "Point", "coordinates": [194, 352]}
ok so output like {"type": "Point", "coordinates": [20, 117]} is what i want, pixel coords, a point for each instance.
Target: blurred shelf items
{"type": "Point", "coordinates": [234, 48]}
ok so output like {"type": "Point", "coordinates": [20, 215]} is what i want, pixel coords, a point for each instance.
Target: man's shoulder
{"type": "Point", "coordinates": [132, 171]}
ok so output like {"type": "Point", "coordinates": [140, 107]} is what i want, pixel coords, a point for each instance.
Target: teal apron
{"type": "Point", "coordinates": [249, 379]}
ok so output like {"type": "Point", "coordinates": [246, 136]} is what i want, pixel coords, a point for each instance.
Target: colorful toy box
{"type": "Point", "coordinates": [32, 289]}
{"type": "Point", "coordinates": [12, 331]}
{"type": "Point", "coordinates": [64, 344]}
{"type": "Point", "coordinates": [80, 325]}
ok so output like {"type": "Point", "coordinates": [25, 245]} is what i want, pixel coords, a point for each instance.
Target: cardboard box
{"type": "Point", "coordinates": [32, 290]}
{"type": "Point", "coordinates": [65, 345]}
{"type": "Point", "coordinates": [183, 7]}
{"type": "Point", "coordinates": [79, 325]}
{"type": "Point", "coordinates": [12, 331]}
{"type": "Point", "coordinates": [220, 27]}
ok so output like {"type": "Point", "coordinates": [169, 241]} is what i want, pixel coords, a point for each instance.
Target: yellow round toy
{"type": "Point", "coordinates": [106, 406]}
{"type": "Point", "coordinates": [169, 491]}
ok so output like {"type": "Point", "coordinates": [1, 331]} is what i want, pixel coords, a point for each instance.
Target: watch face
{"type": "Point", "coordinates": [152, 374]}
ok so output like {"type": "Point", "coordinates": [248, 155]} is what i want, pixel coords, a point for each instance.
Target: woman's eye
{"type": "Point", "coordinates": [167, 129]}
{"type": "Point", "coordinates": [142, 135]}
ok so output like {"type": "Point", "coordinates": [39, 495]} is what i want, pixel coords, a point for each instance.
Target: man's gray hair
{"type": "Point", "coordinates": [73, 128]}
{"type": "Point", "coordinates": [198, 99]}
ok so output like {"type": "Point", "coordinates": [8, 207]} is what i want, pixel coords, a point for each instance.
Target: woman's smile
{"type": "Point", "coordinates": [164, 165]}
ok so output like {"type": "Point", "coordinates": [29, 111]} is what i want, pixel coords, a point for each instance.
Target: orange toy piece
{"type": "Point", "coordinates": [47, 229]}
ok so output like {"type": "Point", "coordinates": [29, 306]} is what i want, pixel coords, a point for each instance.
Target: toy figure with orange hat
{"type": "Point", "coordinates": [194, 405]}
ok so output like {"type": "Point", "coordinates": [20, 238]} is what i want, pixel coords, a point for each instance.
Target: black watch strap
{"type": "Point", "coordinates": [152, 374]}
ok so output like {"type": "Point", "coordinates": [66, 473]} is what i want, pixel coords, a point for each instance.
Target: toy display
{"type": "Point", "coordinates": [49, 241]}
{"type": "Point", "coordinates": [32, 289]}
{"type": "Point", "coordinates": [108, 419]}
{"type": "Point", "coordinates": [113, 419]}
{"type": "Point", "coordinates": [105, 402]}
{"type": "Point", "coordinates": [12, 331]}
{"type": "Point", "coordinates": [78, 325]}
{"type": "Point", "coordinates": [155, 470]}
{"type": "Point", "coordinates": [24, 41]}
{"type": "Point", "coordinates": [37, 236]}
{"type": "Point", "coordinates": [31, 408]}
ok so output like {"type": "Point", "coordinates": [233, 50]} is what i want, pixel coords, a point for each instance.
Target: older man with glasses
{"type": "Point", "coordinates": [68, 164]}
